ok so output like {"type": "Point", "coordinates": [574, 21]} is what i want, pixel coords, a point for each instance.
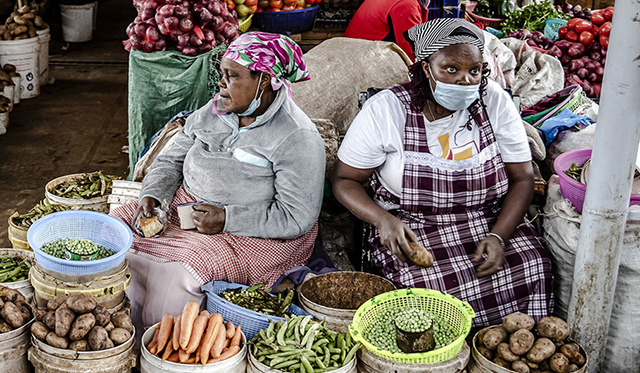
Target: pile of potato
{"type": "Point", "coordinates": [14, 312]}
{"type": "Point", "coordinates": [78, 323]}
{"type": "Point", "coordinates": [22, 24]}
{"type": "Point", "coordinates": [521, 345]}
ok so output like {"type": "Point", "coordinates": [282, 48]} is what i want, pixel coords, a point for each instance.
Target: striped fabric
{"type": "Point", "coordinates": [245, 260]}
{"type": "Point", "coordinates": [429, 37]}
{"type": "Point", "coordinates": [451, 208]}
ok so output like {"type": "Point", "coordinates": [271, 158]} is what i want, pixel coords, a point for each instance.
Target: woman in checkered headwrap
{"type": "Point", "coordinates": [451, 170]}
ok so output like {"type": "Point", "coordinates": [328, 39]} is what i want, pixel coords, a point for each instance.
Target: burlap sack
{"type": "Point", "coordinates": [340, 69]}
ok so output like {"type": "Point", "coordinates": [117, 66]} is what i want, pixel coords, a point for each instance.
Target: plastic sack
{"type": "Point", "coordinates": [561, 232]}
{"type": "Point", "coordinates": [162, 84]}
{"type": "Point", "coordinates": [562, 121]}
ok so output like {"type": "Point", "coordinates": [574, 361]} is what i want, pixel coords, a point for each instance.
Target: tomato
{"type": "Point", "coordinates": [608, 13]}
{"type": "Point", "coordinates": [289, 2]}
{"type": "Point", "coordinates": [299, 7]}
{"type": "Point", "coordinates": [604, 40]}
{"type": "Point", "coordinates": [250, 3]}
{"type": "Point", "coordinates": [586, 38]}
{"type": "Point", "coordinates": [300, 2]}
{"type": "Point", "coordinates": [275, 3]}
{"type": "Point", "coordinates": [595, 30]}
{"type": "Point", "coordinates": [571, 36]}
{"type": "Point", "coordinates": [582, 26]}
{"type": "Point", "coordinates": [253, 9]}
{"type": "Point", "coordinates": [273, 10]}
{"type": "Point", "coordinates": [264, 4]}
{"type": "Point", "coordinates": [605, 29]}
{"type": "Point", "coordinates": [562, 32]}
{"type": "Point", "coordinates": [260, 10]}
{"type": "Point", "coordinates": [288, 7]}
{"type": "Point", "coordinates": [597, 18]}
{"type": "Point", "coordinates": [231, 5]}
{"type": "Point", "coordinates": [572, 23]}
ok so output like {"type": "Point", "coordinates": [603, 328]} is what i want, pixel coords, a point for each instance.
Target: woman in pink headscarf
{"type": "Point", "coordinates": [256, 162]}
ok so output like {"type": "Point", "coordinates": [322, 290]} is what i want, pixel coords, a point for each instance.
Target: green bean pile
{"type": "Point", "coordinates": [42, 209]}
{"type": "Point", "coordinates": [90, 185]}
{"type": "Point", "coordinates": [413, 320]}
{"type": "Point", "coordinates": [13, 269]}
{"type": "Point", "coordinates": [574, 172]}
{"type": "Point", "coordinates": [79, 246]}
{"type": "Point", "coordinates": [302, 345]}
{"type": "Point", "coordinates": [257, 298]}
{"type": "Point", "coordinates": [382, 331]}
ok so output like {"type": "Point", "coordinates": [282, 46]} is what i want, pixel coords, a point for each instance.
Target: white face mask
{"type": "Point", "coordinates": [255, 103]}
{"type": "Point", "coordinates": [454, 96]}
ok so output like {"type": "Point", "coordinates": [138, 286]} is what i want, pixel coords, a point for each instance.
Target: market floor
{"type": "Point", "coordinates": [77, 124]}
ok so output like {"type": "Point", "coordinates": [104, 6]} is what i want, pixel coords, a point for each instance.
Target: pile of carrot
{"type": "Point", "coordinates": [192, 338]}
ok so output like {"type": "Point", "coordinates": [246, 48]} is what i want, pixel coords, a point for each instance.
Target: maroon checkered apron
{"type": "Point", "coordinates": [451, 206]}
{"type": "Point", "coordinates": [223, 256]}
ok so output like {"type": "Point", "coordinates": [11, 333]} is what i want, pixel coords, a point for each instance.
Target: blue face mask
{"type": "Point", "coordinates": [454, 96]}
{"type": "Point", "coordinates": [255, 103]}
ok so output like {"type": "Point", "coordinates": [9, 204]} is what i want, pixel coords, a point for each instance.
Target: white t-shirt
{"type": "Point", "coordinates": [376, 136]}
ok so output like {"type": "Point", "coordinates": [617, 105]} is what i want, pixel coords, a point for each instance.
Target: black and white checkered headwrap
{"type": "Point", "coordinates": [429, 37]}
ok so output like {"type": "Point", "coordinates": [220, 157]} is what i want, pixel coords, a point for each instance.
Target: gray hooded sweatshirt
{"type": "Point", "coordinates": [268, 176]}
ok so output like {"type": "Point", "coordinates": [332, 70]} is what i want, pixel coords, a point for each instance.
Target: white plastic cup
{"type": "Point", "coordinates": [77, 22]}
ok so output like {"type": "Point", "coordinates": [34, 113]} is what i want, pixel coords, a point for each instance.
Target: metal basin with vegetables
{"type": "Point", "coordinates": [334, 297]}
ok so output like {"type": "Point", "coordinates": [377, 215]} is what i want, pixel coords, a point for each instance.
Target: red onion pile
{"type": "Point", "coordinates": [192, 28]}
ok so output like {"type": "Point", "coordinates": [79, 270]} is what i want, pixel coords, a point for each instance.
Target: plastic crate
{"type": "Point", "coordinates": [443, 9]}
{"type": "Point", "coordinates": [252, 322]}
{"type": "Point", "coordinates": [103, 229]}
{"type": "Point", "coordinates": [459, 314]}
{"type": "Point", "coordinates": [551, 27]}
{"type": "Point", "coordinates": [289, 22]}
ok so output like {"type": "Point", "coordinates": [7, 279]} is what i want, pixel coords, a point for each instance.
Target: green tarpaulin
{"type": "Point", "coordinates": [162, 84]}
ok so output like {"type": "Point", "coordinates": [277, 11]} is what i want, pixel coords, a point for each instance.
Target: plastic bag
{"type": "Point", "coordinates": [163, 218]}
{"type": "Point", "coordinates": [162, 84]}
{"type": "Point", "coordinates": [562, 121]}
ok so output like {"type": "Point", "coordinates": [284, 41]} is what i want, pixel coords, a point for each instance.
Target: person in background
{"type": "Point", "coordinates": [387, 20]}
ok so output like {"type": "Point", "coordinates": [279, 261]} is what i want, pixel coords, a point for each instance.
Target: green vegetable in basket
{"type": "Point", "coordinates": [38, 211]}
{"type": "Point", "coordinates": [574, 172]}
{"type": "Point", "coordinates": [504, 8]}
{"type": "Point", "coordinates": [79, 246]}
{"type": "Point", "coordinates": [300, 344]}
{"type": "Point", "coordinates": [382, 332]}
{"type": "Point", "coordinates": [257, 299]}
{"type": "Point", "coordinates": [90, 185]}
{"type": "Point", "coordinates": [531, 17]}
{"type": "Point", "coordinates": [13, 269]}
{"type": "Point", "coordinates": [483, 8]}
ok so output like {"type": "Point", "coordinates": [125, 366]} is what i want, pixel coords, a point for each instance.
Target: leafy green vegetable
{"type": "Point", "coordinates": [531, 17]}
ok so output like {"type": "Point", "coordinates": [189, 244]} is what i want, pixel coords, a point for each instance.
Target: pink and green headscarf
{"type": "Point", "coordinates": [275, 54]}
